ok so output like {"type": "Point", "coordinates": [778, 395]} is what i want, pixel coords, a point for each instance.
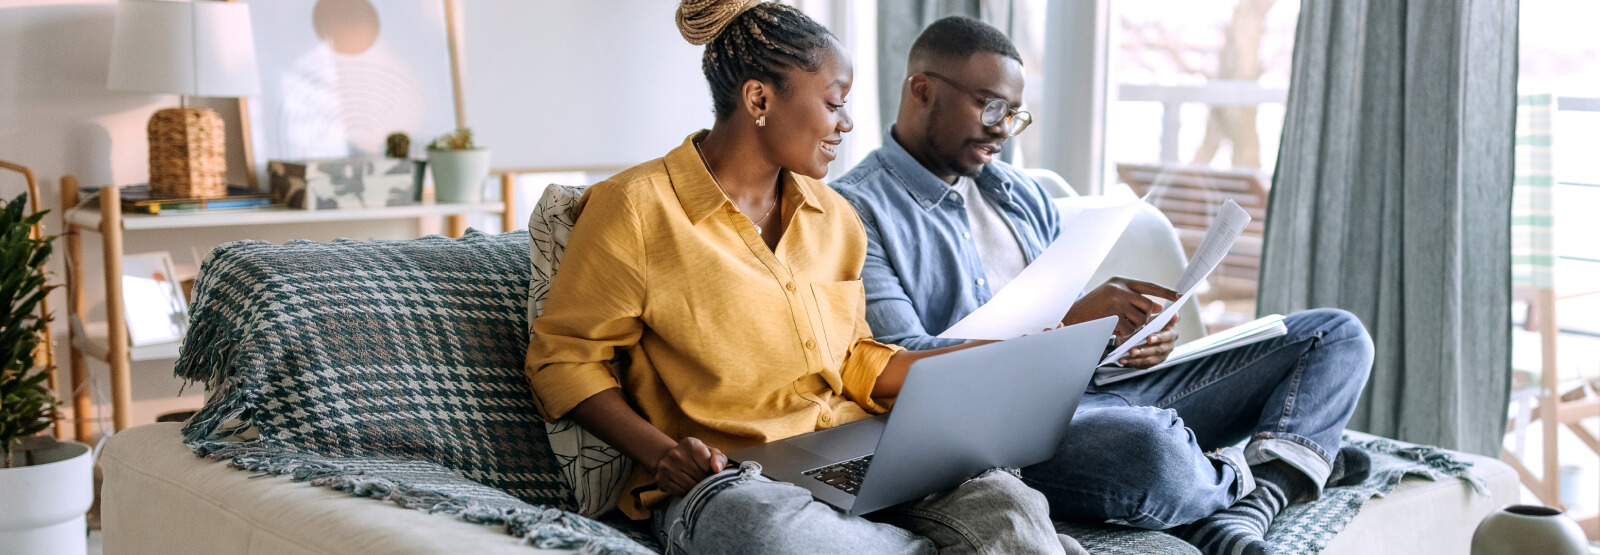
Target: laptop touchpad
{"type": "Point", "coordinates": [844, 442]}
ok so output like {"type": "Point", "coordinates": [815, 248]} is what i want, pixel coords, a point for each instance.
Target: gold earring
{"type": "Point", "coordinates": [761, 121]}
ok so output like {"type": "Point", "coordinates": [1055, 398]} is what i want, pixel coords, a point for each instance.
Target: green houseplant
{"type": "Point", "coordinates": [26, 406]}
{"type": "Point", "coordinates": [459, 167]}
{"type": "Point", "coordinates": [48, 485]}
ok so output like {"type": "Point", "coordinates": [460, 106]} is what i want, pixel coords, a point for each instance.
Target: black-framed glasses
{"type": "Point", "coordinates": [995, 110]}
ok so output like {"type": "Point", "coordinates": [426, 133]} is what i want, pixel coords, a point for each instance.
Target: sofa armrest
{"type": "Point", "coordinates": [1422, 517]}
{"type": "Point", "coordinates": [160, 498]}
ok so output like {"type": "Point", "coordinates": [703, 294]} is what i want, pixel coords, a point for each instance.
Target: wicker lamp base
{"type": "Point", "coordinates": [187, 154]}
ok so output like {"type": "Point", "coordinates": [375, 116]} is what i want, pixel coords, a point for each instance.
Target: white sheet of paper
{"type": "Point", "coordinates": [1225, 229]}
{"type": "Point", "coordinates": [1040, 295]}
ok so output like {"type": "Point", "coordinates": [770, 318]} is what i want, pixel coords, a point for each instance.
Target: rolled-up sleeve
{"type": "Point", "coordinates": [863, 364]}
{"type": "Point", "coordinates": [594, 306]}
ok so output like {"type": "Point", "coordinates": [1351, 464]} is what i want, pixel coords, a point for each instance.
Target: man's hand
{"type": "Point", "coordinates": [1155, 349]}
{"type": "Point", "coordinates": [1123, 298]}
{"type": "Point", "coordinates": [686, 464]}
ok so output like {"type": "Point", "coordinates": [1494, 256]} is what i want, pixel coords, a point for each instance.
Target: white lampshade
{"type": "Point", "coordinates": [201, 48]}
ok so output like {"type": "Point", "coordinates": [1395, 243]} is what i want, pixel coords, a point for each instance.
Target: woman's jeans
{"type": "Point", "coordinates": [741, 511]}
{"type": "Point", "coordinates": [1135, 451]}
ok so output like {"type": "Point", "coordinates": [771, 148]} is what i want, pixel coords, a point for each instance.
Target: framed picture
{"type": "Point", "coordinates": [152, 299]}
{"type": "Point", "coordinates": [338, 76]}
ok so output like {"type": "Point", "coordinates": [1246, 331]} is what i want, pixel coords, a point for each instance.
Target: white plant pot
{"type": "Point", "coordinates": [44, 504]}
{"type": "Point", "coordinates": [458, 174]}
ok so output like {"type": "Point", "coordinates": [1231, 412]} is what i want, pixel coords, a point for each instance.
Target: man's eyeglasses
{"type": "Point", "coordinates": [995, 110]}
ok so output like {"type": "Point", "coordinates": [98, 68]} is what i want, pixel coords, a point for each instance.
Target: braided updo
{"type": "Point", "coordinates": [750, 39]}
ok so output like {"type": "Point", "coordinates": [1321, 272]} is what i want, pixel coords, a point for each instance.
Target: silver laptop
{"type": "Point", "coordinates": [1004, 404]}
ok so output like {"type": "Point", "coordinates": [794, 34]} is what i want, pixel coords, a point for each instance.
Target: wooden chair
{"type": "Point", "coordinates": [1189, 195]}
{"type": "Point", "coordinates": [1533, 278]}
{"type": "Point", "coordinates": [46, 353]}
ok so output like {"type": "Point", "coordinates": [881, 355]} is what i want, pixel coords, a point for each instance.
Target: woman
{"type": "Point", "coordinates": [731, 275]}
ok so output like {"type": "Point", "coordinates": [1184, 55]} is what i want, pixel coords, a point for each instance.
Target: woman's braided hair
{"type": "Point", "coordinates": [750, 39]}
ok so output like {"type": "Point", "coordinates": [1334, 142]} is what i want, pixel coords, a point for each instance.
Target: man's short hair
{"type": "Point", "coordinates": [959, 37]}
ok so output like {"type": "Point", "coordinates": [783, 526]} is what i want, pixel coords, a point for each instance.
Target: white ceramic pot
{"type": "Point", "coordinates": [458, 174]}
{"type": "Point", "coordinates": [44, 504]}
{"type": "Point", "coordinates": [1519, 529]}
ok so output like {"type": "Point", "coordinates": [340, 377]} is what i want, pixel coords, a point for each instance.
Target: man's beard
{"type": "Point", "coordinates": [951, 162]}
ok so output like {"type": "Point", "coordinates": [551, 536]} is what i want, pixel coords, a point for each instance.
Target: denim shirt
{"type": "Point", "coordinates": [922, 273]}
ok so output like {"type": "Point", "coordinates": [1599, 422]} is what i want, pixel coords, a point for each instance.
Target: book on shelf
{"type": "Point", "coordinates": [137, 199]}
{"type": "Point", "coordinates": [1261, 329]}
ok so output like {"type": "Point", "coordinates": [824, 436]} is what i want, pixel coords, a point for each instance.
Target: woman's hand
{"type": "Point", "coordinates": [686, 464]}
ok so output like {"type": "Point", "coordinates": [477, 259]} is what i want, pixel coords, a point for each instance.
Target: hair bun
{"type": "Point", "coordinates": [700, 21]}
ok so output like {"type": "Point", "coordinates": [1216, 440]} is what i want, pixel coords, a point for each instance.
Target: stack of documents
{"type": "Point", "coordinates": [1041, 295]}
{"type": "Point", "coordinates": [1264, 328]}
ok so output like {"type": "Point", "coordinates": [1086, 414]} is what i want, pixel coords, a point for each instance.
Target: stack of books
{"type": "Point", "coordinates": [137, 198]}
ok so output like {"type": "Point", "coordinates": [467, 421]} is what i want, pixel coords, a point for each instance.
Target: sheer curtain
{"type": "Point", "coordinates": [1392, 200]}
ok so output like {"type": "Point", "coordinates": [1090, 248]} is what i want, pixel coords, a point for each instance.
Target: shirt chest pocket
{"type": "Point", "coordinates": [838, 310]}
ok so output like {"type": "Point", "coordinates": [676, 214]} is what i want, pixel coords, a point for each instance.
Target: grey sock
{"type": "Point", "coordinates": [1242, 528]}
{"type": "Point", "coordinates": [1350, 467]}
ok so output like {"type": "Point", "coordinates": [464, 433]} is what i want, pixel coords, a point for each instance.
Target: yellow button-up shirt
{"type": "Point", "coordinates": [730, 342]}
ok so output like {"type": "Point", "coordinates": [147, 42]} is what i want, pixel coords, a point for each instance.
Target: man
{"type": "Point", "coordinates": [948, 225]}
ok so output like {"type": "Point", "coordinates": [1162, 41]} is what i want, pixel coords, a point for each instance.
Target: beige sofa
{"type": "Point", "coordinates": [158, 498]}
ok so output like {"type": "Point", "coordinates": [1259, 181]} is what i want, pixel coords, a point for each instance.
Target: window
{"type": "Point", "coordinates": [1555, 260]}
{"type": "Point", "coordinates": [1194, 112]}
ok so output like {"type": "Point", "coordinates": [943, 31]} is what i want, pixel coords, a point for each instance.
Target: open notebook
{"type": "Point", "coordinates": [1261, 329]}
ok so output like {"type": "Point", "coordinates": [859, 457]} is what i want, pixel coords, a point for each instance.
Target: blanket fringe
{"type": "Point", "coordinates": [1440, 464]}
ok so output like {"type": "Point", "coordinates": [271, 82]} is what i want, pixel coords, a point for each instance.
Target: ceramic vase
{"type": "Point", "coordinates": [458, 174]}
{"type": "Point", "coordinates": [1521, 529]}
{"type": "Point", "coordinates": [42, 509]}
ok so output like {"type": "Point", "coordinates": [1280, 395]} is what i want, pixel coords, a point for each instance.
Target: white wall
{"type": "Point", "coordinates": [613, 84]}
{"type": "Point", "coordinates": [57, 117]}
{"type": "Point", "coordinates": [580, 84]}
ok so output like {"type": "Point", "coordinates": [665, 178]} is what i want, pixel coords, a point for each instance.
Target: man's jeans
{"type": "Point", "coordinates": [1135, 452]}
{"type": "Point", "coordinates": [741, 511]}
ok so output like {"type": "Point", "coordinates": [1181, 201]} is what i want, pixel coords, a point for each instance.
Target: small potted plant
{"type": "Point", "coordinates": [458, 166]}
{"type": "Point", "coordinates": [48, 484]}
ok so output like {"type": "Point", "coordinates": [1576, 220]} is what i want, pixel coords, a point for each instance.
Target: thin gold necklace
{"type": "Point", "coordinates": [756, 223]}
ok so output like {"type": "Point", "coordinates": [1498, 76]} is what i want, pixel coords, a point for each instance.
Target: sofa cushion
{"type": "Point", "coordinates": [549, 226]}
{"type": "Point", "coordinates": [366, 365]}
{"type": "Point", "coordinates": [160, 499]}
{"type": "Point", "coordinates": [594, 471]}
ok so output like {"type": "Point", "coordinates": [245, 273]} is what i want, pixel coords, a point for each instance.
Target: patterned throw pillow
{"type": "Point", "coordinates": [595, 471]}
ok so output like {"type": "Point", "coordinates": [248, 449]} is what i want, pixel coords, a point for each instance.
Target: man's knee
{"type": "Point", "coordinates": [1342, 331]}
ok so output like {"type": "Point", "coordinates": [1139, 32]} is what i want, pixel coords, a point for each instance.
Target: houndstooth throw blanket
{"type": "Point", "coordinates": [383, 369]}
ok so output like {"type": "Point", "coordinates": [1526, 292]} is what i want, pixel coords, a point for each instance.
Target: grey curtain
{"type": "Point", "coordinates": [899, 23]}
{"type": "Point", "coordinates": [1392, 199]}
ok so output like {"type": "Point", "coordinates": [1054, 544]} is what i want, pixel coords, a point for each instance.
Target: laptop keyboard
{"type": "Point", "coordinates": [846, 475]}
